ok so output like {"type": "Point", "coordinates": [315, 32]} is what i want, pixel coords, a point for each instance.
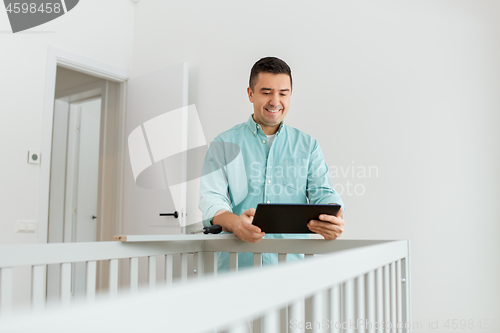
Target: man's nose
{"type": "Point", "coordinates": [274, 101]}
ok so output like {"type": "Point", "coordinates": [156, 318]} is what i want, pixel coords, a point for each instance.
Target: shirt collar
{"type": "Point", "coordinates": [254, 126]}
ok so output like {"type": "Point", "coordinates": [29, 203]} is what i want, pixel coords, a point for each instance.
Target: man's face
{"type": "Point", "coordinates": [270, 98]}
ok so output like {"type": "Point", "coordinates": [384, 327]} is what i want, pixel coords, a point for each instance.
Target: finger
{"type": "Point", "coordinates": [249, 235]}
{"type": "Point", "coordinates": [254, 237]}
{"type": "Point", "coordinates": [330, 219]}
{"type": "Point", "coordinates": [252, 228]}
{"type": "Point", "coordinates": [327, 234]}
{"type": "Point", "coordinates": [324, 224]}
{"type": "Point", "coordinates": [329, 231]}
{"type": "Point", "coordinates": [326, 217]}
{"type": "Point", "coordinates": [341, 212]}
{"type": "Point", "coordinates": [250, 212]}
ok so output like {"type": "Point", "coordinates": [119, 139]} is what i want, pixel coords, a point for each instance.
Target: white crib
{"type": "Point", "coordinates": [341, 286]}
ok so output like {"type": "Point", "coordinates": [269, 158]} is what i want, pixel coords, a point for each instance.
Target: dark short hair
{"type": "Point", "coordinates": [269, 65]}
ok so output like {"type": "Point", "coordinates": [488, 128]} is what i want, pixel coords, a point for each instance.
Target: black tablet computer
{"type": "Point", "coordinates": [290, 218]}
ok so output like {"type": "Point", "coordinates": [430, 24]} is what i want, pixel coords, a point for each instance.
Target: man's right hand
{"type": "Point", "coordinates": [241, 226]}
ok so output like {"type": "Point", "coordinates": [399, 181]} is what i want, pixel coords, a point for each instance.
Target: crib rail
{"type": "Point", "coordinates": [347, 285]}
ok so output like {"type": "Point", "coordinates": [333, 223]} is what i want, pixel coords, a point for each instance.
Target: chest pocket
{"type": "Point", "coordinates": [295, 176]}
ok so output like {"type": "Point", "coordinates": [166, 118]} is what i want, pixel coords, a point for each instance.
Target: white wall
{"type": "Point", "coordinates": [92, 29]}
{"type": "Point", "coordinates": [411, 89]}
{"type": "Point", "coordinates": [102, 30]}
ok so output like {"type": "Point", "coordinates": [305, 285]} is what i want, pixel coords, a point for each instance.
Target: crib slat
{"type": "Point", "coordinates": [233, 261]}
{"type": "Point", "coordinates": [152, 272]}
{"type": "Point", "coordinates": [281, 257]}
{"type": "Point", "coordinates": [399, 317]}
{"type": "Point", "coordinates": [308, 308]}
{"type": "Point", "coordinates": [283, 313]}
{"type": "Point", "coordinates": [169, 270]}
{"type": "Point", "coordinates": [271, 322]}
{"type": "Point", "coordinates": [342, 304]}
{"type": "Point", "coordinates": [6, 291]}
{"type": "Point", "coordinates": [387, 298]}
{"type": "Point", "coordinates": [349, 304]}
{"type": "Point", "coordinates": [257, 325]}
{"type": "Point", "coordinates": [335, 314]}
{"type": "Point", "coordinates": [38, 287]}
{"type": "Point", "coordinates": [380, 298]}
{"type": "Point", "coordinates": [184, 267]}
{"type": "Point", "coordinates": [370, 301]}
{"type": "Point", "coordinates": [257, 260]}
{"type": "Point", "coordinates": [216, 260]}
{"type": "Point", "coordinates": [199, 259]}
{"type": "Point", "coordinates": [360, 303]}
{"type": "Point", "coordinates": [65, 284]}
{"type": "Point", "coordinates": [405, 291]}
{"type": "Point", "coordinates": [134, 275]}
{"type": "Point", "coordinates": [90, 283]}
{"type": "Point", "coordinates": [296, 315]}
{"type": "Point", "coordinates": [113, 277]}
{"type": "Point", "coordinates": [319, 313]}
{"type": "Point", "coordinates": [393, 296]}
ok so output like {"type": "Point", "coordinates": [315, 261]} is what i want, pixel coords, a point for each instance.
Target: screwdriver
{"type": "Point", "coordinates": [214, 229]}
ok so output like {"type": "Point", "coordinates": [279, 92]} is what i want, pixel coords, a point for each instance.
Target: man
{"type": "Point", "coordinates": [265, 161]}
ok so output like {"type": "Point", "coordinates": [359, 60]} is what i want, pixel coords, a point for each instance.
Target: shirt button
{"type": "Point", "coordinates": [263, 141]}
{"type": "Point", "coordinates": [269, 182]}
{"type": "Point", "coordinates": [268, 201]}
{"type": "Point", "coordinates": [254, 132]}
{"type": "Point", "coordinates": [257, 126]}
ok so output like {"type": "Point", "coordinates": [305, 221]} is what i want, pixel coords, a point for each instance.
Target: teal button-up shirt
{"type": "Point", "coordinates": [241, 171]}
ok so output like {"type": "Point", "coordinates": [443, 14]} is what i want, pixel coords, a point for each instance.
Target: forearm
{"type": "Point", "coordinates": [226, 220]}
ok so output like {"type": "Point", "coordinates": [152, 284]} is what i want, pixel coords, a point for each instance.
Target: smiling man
{"type": "Point", "coordinates": [275, 163]}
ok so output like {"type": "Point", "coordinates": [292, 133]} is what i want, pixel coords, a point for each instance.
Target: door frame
{"type": "Point", "coordinates": [59, 57]}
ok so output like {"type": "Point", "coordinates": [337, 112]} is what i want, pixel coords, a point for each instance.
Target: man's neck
{"type": "Point", "coordinates": [268, 130]}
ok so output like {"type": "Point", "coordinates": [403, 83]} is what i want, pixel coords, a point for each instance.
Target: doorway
{"type": "Point", "coordinates": [75, 169]}
{"type": "Point", "coordinates": [83, 199]}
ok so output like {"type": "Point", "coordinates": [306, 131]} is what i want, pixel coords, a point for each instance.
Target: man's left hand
{"type": "Point", "coordinates": [329, 226]}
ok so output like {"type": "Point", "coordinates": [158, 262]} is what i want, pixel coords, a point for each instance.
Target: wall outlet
{"type": "Point", "coordinates": [26, 226]}
{"type": "Point", "coordinates": [33, 157]}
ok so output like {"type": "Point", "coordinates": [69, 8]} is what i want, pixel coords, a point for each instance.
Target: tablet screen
{"type": "Point", "coordinates": [290, 218]}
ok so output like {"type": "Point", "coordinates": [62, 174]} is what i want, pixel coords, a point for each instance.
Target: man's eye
{"type": "Point", "coordinates": [283, 94]}
{"type": "Point", "coordinates": [266, 93]}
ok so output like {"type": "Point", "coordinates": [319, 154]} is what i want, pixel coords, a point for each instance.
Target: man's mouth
{"type": "Point", "coordinates": [273, 110]}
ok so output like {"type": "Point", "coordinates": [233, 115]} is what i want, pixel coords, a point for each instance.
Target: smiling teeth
{"type": "Point", "coordinates": [273, 111]}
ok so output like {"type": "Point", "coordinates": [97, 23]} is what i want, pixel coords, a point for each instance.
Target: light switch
{"type": "Point", "coordinates": [22, 226]}
{"type": "Point", "coordinates": [26, 226]}
{"type": "Point", "coordinates": [31, 226]}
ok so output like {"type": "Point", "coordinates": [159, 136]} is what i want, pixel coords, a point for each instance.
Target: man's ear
{"type": "Point", "coordinates": [250, 94]}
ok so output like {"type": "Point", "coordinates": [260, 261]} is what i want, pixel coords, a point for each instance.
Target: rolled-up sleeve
{"type": "Point", "coordinates": [214, 189]}
{"type": "Point", "coordinates": [319, 188]}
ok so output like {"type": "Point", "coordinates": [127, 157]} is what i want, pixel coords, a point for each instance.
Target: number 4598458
{"type": "Point", "coordinates": [46, 7]}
